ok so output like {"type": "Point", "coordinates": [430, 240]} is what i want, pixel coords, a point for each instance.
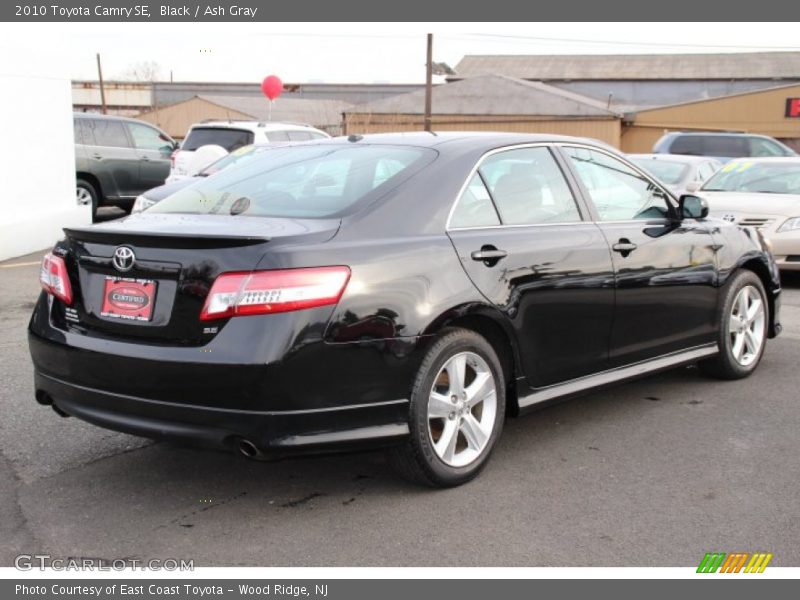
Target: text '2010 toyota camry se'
{"type": "Point", "coordinates": [407, 291]}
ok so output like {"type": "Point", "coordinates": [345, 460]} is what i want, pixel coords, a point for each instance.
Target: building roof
{"type": "Point", "coordinates": [491, 95]}
{"type": "Point", "coordinates": [750, 65]}
{"type": "Point", "coordinates": [294, 110]}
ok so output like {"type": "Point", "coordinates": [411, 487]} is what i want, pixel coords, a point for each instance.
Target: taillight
{"type": "Point", "coordinates": [54, 279]}
{"type": "Point", "coordinates": [265, 292]}
{"type": "Point", "coordinates": [173, 156]}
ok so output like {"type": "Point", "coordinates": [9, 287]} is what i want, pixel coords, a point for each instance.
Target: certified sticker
{"type": "Point", "coordinates": [131, 299]}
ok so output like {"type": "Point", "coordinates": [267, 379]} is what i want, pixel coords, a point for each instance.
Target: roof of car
{"type": "Point", "coordinates": [461, 138]}
{"type": "Point", "coordinates": [715, 134]}
{"type": "Point", "coordinates": [265, 125]}
{"type": "Point", "coordinates": [682, 158]}
{"type": "Point", "coordinates": [767, 159]}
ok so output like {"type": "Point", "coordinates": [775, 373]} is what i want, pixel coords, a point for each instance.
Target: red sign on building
{"type": "Point", "coordinates": [793, 108]}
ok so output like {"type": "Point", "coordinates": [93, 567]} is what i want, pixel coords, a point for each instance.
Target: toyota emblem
{"type": "Point", "coordinates": [729, 218]}
{"type": "Point", "coordinates": [124, 259]}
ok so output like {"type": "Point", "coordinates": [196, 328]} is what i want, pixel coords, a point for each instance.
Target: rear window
{"type": "Point", "coordinates": [316, 181]}
{"type": "Point", "coordinates": [230, 139]}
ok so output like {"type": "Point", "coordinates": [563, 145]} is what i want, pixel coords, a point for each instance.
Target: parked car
{"type": "Point", "coordinates": [680, 174]}
{"type": "Point", "coordinates": [117, 158]}
{"type": "Point", "coordinates": [763, 193]}
{"type": "Point", "coordinates": [232, 135]}
{"type": "Point", "coordinates": [243, 154]}
{"type": "Point", "coordinates": [722, 146]}
{"type": "Point", "coordinates": [399, 291]}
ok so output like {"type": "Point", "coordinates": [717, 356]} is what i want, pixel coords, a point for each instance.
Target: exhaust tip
{"type": "Point", "coordinates": [249, 449]}
{"type": "Point", "coordinates": [43, 398]}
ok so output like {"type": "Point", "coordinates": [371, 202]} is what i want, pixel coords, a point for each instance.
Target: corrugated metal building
{"type": "Point", "coordinates": [491, 103]}
{"type": "Point", "coordinates": [643, 80]}
{"type": "Point", "coordinates": [176, 118]}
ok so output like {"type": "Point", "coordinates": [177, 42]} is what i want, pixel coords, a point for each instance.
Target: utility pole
{"type": "Point", "coordinates": [102, 89]}
{"type": "Point", "coordinates": [428, 83]}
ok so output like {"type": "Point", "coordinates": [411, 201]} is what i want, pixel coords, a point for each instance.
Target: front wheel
{"type": "Point", "coordinates": [744, 318]}
{"type": "Point", "coordinates": [457, 412]}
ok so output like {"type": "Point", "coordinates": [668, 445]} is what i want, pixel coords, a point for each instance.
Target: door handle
{"type": "Point", "coordinates": [489, 255]}
{"type": "Point", "coordinates": [97, 156]}
{"type": "Point", "coordinates": [144, 158]}
{"type": "Point", "coordinates": [624, 246]}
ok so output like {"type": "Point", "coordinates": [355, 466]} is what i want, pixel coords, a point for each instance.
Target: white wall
{"type": "Point", "coordinates": [37, 157]}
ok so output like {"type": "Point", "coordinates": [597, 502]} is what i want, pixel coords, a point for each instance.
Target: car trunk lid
{"type": "Point", "coordinates": [155, 289]}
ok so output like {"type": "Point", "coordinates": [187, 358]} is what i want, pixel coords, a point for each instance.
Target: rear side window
{"type": "Point", "coordinates": [230, 139]}
{"type": "Point", "coordinates": [83, 132]}
{"type": "Point", "coordinates": [109, 133]}
{"type": "Point", "coordinates": [311, 181]}
{"type": "Point", "coordinates": [516, 187]}
{"type": "Point", "coordinates": [299, 136]}
{"type": "Point", "coordinates": [278, 136]}
{"type": "Point", "coordinates": [475, 207]}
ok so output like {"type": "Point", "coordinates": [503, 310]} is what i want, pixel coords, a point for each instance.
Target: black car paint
{"type": "Point", "coordinates": [560, 306]}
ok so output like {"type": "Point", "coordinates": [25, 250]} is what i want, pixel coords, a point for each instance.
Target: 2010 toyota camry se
{"type": "Point", "coordinates": [407, 291]}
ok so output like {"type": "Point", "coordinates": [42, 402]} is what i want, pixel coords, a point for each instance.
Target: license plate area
{"type": "Point", "coordinates": [128, 299]}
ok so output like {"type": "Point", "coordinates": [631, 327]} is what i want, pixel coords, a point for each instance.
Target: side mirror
{"type": "Point", "coordinates": [692, 207]}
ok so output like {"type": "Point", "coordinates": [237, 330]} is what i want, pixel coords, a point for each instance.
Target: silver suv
{"type": "Point", "coordinates": [228, 136]}
{"type": "Point", "coordinates": [722, 146]}
{"type": "Point", "coordinates": [117, 158]}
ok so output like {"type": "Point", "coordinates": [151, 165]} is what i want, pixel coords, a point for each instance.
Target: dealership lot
{"type": "Point", "coordinates": [652, 473]}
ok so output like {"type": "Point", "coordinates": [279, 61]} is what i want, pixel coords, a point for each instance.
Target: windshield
{"type": "Point", "coordinates": [667, 171]}
{"type": "Point", "coordinates": [236, 157]}
{"type": "Point", "coordinates": [304, 181]}
{"type": "Point", "coordinates": [747, 176]}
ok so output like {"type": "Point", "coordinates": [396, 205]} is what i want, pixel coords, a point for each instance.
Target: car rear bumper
{"type": "Point", "coordinates": [333, 397]}
{"type": "Point", "coordinates": [272, 433]}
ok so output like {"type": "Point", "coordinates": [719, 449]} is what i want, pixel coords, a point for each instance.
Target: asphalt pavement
{"type": "Point", "coordinates": [651, 473]}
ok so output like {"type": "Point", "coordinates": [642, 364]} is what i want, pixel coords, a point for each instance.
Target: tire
{"type": "Point", "coordinates": [86, 191]}
{"type": "Point", "coordinates": [471, 423]}
{"type": "Point", "coordinates": [741, 341]}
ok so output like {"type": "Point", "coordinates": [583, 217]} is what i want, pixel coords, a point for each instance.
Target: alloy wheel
{"type": "Point", "coordinates": [83, 196]}
{"type": "Point", "coordinates": [462, 408]}
{"type": "Point", "coordinates": [746, 325]}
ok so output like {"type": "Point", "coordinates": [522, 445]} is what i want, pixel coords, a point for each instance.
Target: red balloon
{"type": "Point", "coordinates": [272, 87]}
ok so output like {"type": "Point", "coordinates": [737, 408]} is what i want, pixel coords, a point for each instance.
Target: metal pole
{"type": "Point", "coordinates": [102, 89]}
{"type": "Point", "coordinates": [428, 83]}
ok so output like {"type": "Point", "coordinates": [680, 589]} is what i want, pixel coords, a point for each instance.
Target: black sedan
{"type": "Point", "coordinates": [405, 291]}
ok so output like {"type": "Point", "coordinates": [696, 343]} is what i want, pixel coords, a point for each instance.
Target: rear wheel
{"type": "Point", "coordinates": [457, 412]}
{"type": "Point", "coordinates": [87, 194]}
{"type": "Point", "coordinates": [743, 324]}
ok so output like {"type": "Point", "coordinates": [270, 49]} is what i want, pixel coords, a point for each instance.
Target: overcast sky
{"type": "Point", "coordinates": [352, 53]}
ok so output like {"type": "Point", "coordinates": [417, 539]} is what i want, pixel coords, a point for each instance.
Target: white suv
{"type": "Point", "coordinates": [219, 137]}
